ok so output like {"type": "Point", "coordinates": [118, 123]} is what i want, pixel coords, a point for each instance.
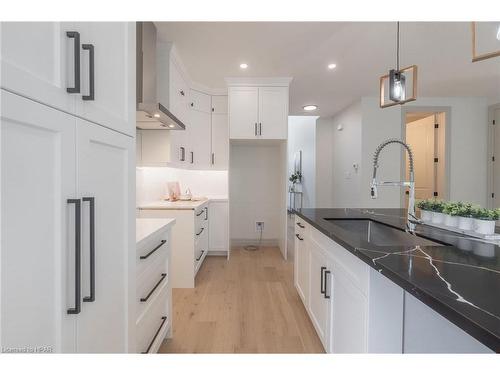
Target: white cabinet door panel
{"type": "Point", "coordinates": [219, 104]}
{"type": "Point", "coordinates": [38, 60]}
{"type": "Point", "coordinates": [105, 172]}
{"type": "Point", "coordinates": [199, 139]}
{"type": "Point", "coordinates": [200, 101]}
{"type": "Point", "coordinates": [218, 213]}
{"type": "Point", "coordinates": [38, 232]}
{"type": "Point", "coordinates": [273, 112]}
{"type": "Point", "coordinates": [302, 263]}
{"type": "Point", "coordinates": [114, 75]}
{"type": "Point", "coordinates": [243, 112]}
{"type": "Point", "coordinates": [220, 141]}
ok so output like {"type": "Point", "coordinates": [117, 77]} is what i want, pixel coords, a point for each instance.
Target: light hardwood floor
{"type": "Point", "coordinates": [245, 305]}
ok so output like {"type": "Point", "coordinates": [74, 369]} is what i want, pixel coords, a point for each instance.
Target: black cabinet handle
{"type": "Point", "coordinates": [199, 213]}
{"type": "Point", "coordinates": [300, 225]}
{"type": "Point", "coordinates": [163, 320]}
{"type": "Point", "coordinates": [152, 251]}
{"type": "Point", "coordinates": [91, 201]}
{"type": "Point", "coordinates": [300, 238]}
{"type": "Point", "coordinates": [322, 282]}
{"type": "Point", "coordinates": [201, 254]}
{"type": "Point", "coordinates": [90, 48]}
{"type": "Point", "coordinates": [183, 154]}
{"type": "Point", "coordinates": [75, 35]}
{"type": "Point", "coordinates": [213, 158]}
{"type": "Point", "coordinates": [206, 213]}
{"type": "Point", "coordinates": [182, 92]}
{"type": "Point", "coordinates": [192, 157]}
{"type": "Point", "coordinates": [77, 308]}
{"type": "Point", "coordinates": [326, 283]}
{"type": "Point", "coordinates": [256, 129]}
{"type": "Point", "coordinates": [144, 299]}
{"type": "Point", "coordinates": [201, 231]}
{"type": "Point", "coordinates": [260, 128]}
{"type": "Point", "coordinates": [192, 104]}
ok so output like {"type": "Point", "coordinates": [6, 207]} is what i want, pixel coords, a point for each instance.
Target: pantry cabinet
{"type": "Point", "coordinates": [83, 68]}
{"type": "Point", "coordinates": [258, 112]}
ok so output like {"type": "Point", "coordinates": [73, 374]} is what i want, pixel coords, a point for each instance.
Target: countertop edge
{"type": "Point", "coordinates": [168, 224]}
{"type": "Point", "coordinates": [472, 328]}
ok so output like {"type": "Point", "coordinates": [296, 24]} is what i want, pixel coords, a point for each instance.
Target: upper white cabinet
{"type": "Point", "coordinates": [257, 109]}
{"type": "Point", "coordinates": [83, 68]}
{"type": "Point", "coordinates": [199, 139]}
{"type": "Point", "coordinates": [200, 101]}
{"type": "Point", "coordinates": [220, 133]}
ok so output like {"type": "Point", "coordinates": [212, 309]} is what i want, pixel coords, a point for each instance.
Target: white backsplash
{"type": "Point", "coordinates": [151, 182]}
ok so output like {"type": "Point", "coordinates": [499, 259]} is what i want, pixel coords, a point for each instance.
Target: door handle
{"type": "Point", "coordinates": [255, 129]}
{"type": "Point", "coordinates": [322, 282]}
{"type": "Point", "coordinates": [91, 201]}
{"type": "Point", "coordinates": [183, 154]}
{"type": "Point", "coordinates": [327, 272]}
{"type": "Point", "coordinates": [260, 128]}
{"type": "Point", "coordinates": [144, 299]}
{"type": "Point", "coordinates": [201, 254]}
{"type": "Point", "coordinates": [300, 238]}
{"type": "Point", "coordinates": [213, 158]}
{"type": "Point", "coordinates": [192, 157]}
{"type": "Point", "coordinates": [90, 48]}
{"type": "Point", "coordinates": [206, 213]}
{"type": "Point", "coordinates": [142, 257]}
{"type": "Point", "coordinates": [77, 308]}
{"type": "Point", "coordinates": [75, 35]}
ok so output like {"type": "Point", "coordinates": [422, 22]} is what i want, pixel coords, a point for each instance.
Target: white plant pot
{"type": "Point", "coordinates": [484, 226]}
{"type": "Point", "coordinates": [425, 216]}
{"type": "Point", "coordinates": [451, 221]}
{"type": "Point", "coordinates": [465, 223]}
{"type": "Point", "coordinates": [437, 218]}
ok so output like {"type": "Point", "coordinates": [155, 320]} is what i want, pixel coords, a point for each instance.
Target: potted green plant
{"type": "Point", "coordinates": [451, 210]}
{"type": "Point", "coordinates": [437, 206]}
{"type": "Point", "coordinates": [425, 210]}
{"type": "Point", "coordinates": [484, 220]}
{"type": "Point", "coordinates": [465, 220]}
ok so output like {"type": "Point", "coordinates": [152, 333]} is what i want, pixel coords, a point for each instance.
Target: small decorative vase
{"type": "Point", "coordinates": [437, 218]}
{"type": "Point", "coordinates": [484, 226]}
{"type": "Point", "coordinates": [425, 216]}
{"type": "Point", "coordinates": [451, 221]}
{"type": "Point", "coordinates": [465, 223]}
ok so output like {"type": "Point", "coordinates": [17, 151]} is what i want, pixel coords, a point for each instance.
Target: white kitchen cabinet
{"type": "Point", "coordinates": [220, 134]}
{"type": "Point", "coordinates": [199, 156]}
{"type": "Point", "coordinates": [302, 260]}
{"type": "Point", "coordinates": [48, 277]}
{"type": "Point", "coordinates": [219, 104]}
{"type": "Point", "coordinates": [104, 161]}
{"type": "Point", "coordinates": [243, 112]}
{"type": "Point", "coordinates": [258, 112]}
{"type": "Point", "coordinates": [218, 230]}
{"type": "Point", "coordinates": [320, 291]}
{"type": "Point", "coordinates": [38, 175]}
{"type": "Point", "coordinates": [41, 61]}
{"type": "Point", "coordinates": [199, 101]}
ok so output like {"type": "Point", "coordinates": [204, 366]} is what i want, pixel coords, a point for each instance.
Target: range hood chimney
{"type": "Point", "coordinates": [151, 114]}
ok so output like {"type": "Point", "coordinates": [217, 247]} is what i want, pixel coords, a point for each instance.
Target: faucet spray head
{"type": "Point", "coordinates": [373, 190]}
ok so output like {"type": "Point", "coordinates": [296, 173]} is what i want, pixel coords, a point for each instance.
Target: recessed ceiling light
{"type": "Point", "coordinates": [332, 66]}
{"type": "Point", "coordinates": [243, 65]}
{"type": "Point", "coordinates": [310, 107]}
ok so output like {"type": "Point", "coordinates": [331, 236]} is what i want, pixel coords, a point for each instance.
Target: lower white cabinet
{"type": "Point", "coordinates": [302, 260]}
{"type": "Point", "coordinates": [69, 184]}
{"type": "Point", "coordinates": [218, 230]}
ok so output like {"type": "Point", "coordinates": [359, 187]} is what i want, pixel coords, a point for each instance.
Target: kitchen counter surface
{"type": "Point", "coordinates": [146, 227]}
{"type": "Point", "coordinates": [459, 277]}
{"type": "Point", "coordinates": [177, 205]}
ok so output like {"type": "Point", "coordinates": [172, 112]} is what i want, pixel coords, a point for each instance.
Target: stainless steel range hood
{"type": "Point", "coordinates": [151, 114]}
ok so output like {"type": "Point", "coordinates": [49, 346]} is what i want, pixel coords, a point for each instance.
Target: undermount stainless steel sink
{"type": "Point", "coordinates": [380, 234]}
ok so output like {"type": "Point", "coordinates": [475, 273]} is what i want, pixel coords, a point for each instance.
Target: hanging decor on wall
{"type": "Point", "coordinates": [400, 85]}
{"type": "Point", "coordinates": [485, 40]}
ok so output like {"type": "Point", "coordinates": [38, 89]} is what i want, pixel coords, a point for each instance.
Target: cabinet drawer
{"type": "Point", "coordinates": [300, 226]}
{"type": "Point", "coordinates": [154, 323]}
{"type": "Point", "coordinates": [149, 284]}
{"type": "Point", "coordinates": [154, 250]}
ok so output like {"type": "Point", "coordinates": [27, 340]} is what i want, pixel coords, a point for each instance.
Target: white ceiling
{"type": "Point", "coordinates": [363, 51]}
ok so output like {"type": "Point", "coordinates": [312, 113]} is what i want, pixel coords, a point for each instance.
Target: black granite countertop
{"type": "Point", "coordinates": [459, 277]}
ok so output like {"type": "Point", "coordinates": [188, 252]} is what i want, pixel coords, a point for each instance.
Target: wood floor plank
{"type": "Point", "coordinates": [245, 305]}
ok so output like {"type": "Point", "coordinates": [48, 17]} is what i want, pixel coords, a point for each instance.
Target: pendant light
{"type": "Point", "coordinates": [397, 80]}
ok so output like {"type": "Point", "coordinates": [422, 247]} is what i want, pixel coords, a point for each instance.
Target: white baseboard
{"type": "Point", "coordinates": [239, 242]}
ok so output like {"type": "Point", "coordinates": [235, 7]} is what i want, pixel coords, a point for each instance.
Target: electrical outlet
{"type": "Point", "coordinates": [259, 226]}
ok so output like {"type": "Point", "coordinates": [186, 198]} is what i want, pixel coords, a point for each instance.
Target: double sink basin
{"type": "Point", "coordinates": [381, 235]}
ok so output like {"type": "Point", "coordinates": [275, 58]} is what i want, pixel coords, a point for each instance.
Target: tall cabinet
{"type": "Point", "coordinates": [67, 188]}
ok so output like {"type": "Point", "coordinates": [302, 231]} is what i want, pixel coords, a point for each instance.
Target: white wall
{"type": "Point", "coordinates": [302, 137]}
{"type": "Point", "coordinates": [324, 160]}
{"type": "Point", "coordinates": [151, 182]}
{"type": "Point", "coordinates": [257, 192]}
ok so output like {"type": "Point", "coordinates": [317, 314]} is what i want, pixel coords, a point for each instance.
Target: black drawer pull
{"type": "Point", "coordinates": [326, 283]}
{"type": "Point", "coordinates": [163, 320]}
{"type": "Point", "coordinates": [322, 289]}
{"type": "Point", "coordinates": [300, 225]}
{"type": "Point", "coordinates": [199, 213]}
{"type": "Point", "coordinates": [300, 238]}
{"type": "Point", "coordinates": [201, 231]}
{"type": "Point", "coordinates": [201, 254]}
{"type": "Point", "coordinates": [78, 279]}
{"type": "Point", "coordinates": [144, 299]}
{"type": "Point", "coordinates": [152, 251]}
{"type": "Point", "coordinates": [206, 213]}
{"type": "Point", "coordinates": [76, 36]}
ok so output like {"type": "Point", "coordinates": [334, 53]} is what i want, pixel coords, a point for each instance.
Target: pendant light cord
{"type": "Point", "coordinates": [397, 49]}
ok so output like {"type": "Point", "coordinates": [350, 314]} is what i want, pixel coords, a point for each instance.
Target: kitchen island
{"type": "Point", "coordinates": [427, 281]}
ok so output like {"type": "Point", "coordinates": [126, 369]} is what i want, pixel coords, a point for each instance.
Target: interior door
{"type": "Point", "coordinates": [243, 112]}
{"type": "Point", "coordinates": [420, 137]}
{"type": "Point", "coordinates": [38, 61]}
{"type": "Point", "coordinates": [37, 225]}
{"type": "Point", "coordinates": [273, 112]}
{"type": "Point", "coordinates": [105, 174]}
{"type": "Point", "coordinates": [114, 75]}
